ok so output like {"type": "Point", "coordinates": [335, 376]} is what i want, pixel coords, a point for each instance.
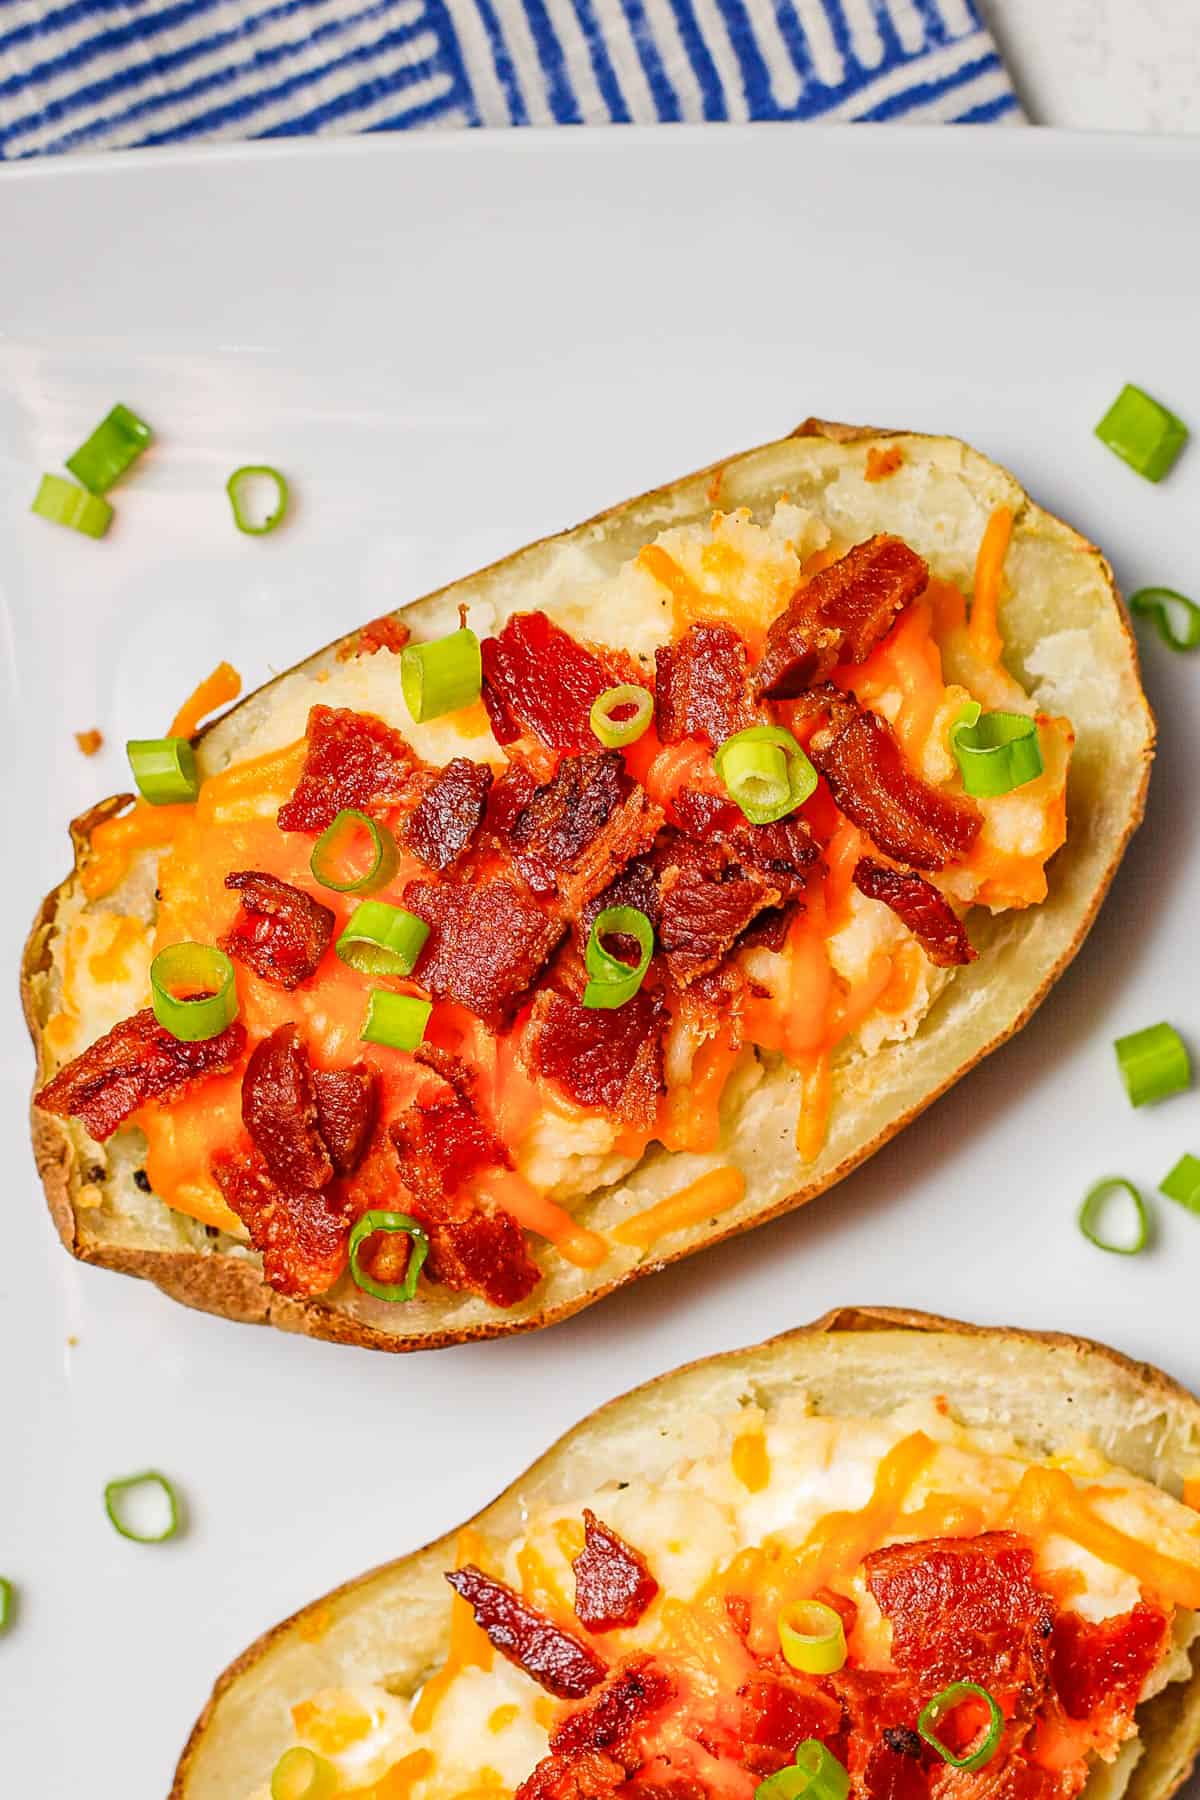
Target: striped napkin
{"type": "Point", "coordinates": [98, 74]}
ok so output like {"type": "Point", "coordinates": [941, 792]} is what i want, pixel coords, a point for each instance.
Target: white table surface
{"type": "Point", "coordinates": [1103, 65]}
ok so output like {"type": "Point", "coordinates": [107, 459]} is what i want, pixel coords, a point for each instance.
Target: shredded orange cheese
{"type": "Point", "coordinates": [713, 1193]}
{"type": "Point", "coordinates": [502, 1717]}
{"type": "Point", "coordinates": [838, 1542]}
{"type": "Point", "coordinates": [816, 1100]}
{"type": "Point", "coordinates": [399, 1781]}
{"type": "Point", "coordinates": [1191, 1492]}
{"type": "Point", "coordinates": [983, 632]}
{"type": "Point", "coordinates": [314, 1624]}
{"type": "Point", "coordinates": [1048, 1500]}
{"type": "Point", "coordinates": [751, 1461]}
{"type": "Point", "coordinates": [331, 1729]}
{"type": "Point", "coordinates": [535, 1212]}
{"type": "Point", "coordinates": [217, 689]}
{"type": "Point", "coordinates": [469, 1646]}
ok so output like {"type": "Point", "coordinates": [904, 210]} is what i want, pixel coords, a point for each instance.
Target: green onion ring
{"type": "Point", "coordinates": [1093, 1204]}
{"type": "Point", "coordinates": [115, 1492]}
{"type": "Point", "coordinates": [812, 1637]}
{"type": "Point", "coordinates": [616, 733]}
{"type": "Point", "coordinates": [1142, 432]}
{"type": "Point", "coordinates": [300, 1774]}
{"type": "Point", "coordinates": [397, 1020]}
{"type": "Point", "coordinates": [63, 503]}
{"type": "Point", "coordinates": [208, 972]}
{"type": "Point", "coordinates": [995, 751]}
{"type": "Point", "coordinates": [382, 940]}
{"type": "Point", "coordinates": [1183, 1183]}
{"type": "Point", "coordinates": [613, 982]}
{"type": "Point", "coordinates": [1154, 1064]}
{"type": "Point", "coordinates": [1158, 604]}
{"type": "Point", "coordinates": [164, 769]}
{"type": "Point", "coordinates": [392, 1223]}
{"type": "Point", "coordinates": [117, 441]}
{"type": "Point", "coordinates": [801, 776]}
{"type": "Point", "coordinates": [238, 488]}
{"type": "Point", "coordinates": [814, 1774]}
{"type": "Point", "coordinates": [932, 1714]}
{"type": "Point", "coordinates": [442, 675]}
{"type": "Point", "coordinates": [8, 1603]}
{"type": "Point", "coordinates": [329, 853]}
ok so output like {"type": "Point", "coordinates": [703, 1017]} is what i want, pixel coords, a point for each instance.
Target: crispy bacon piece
{"type": "Point", "coordinates": [347, 1100]}
{"type": "Point", "coordinates": [354, 760]}
{"type": "Point", "coordinates": [919, 905]}
{"type": "Point", "coordinates": [777, 1713]}
{"type": "Point", "coordinates": [636, 885]}
{"type": "Point", "coordinates": [1099, 1668]}
{"type": "Point", "coordinates": [483, 1252]}
{"type": "Point", "coordinates": [623, 1707]}
{"type": "Point", "coordinates": [449, 814]}
{"type": "Point", "coordinates": [537, 679]}
{"type": "Point", "coordinates": [485, 944]}
{"type": "Point", "coordinates": [702, 686]}
{"type": "Point", "coordinates": [964, 1609]}
{"type": "Point", "coordinates": [580, 829]}
{"type": "Point", "coordinates": [706, 903]}
{"type": "Point", "coordinates": [839, 616]}
{"type": "Point", "coordinates": [513, 790]}
{"type": "Point", "coordinates": [877, 790]}
{"type": "Point", "coordinates": [134, 1062]}
{"type": "Point", "coordinates": [613, 1586]}
{"type": "Point", "coordinates": [784, 848]}
{"type": "Point", "coordinates": [279, 1110]}
{"type": "Point", "coordinates": [442, 1142]}
{"type": "Point", "coordinates": [281, 932]}
{"type": "Point", "coordinates": [385, 633]}
{"type": "Point", "coordinates": [590, 1776]}
{"type": "Point", "coordinates": [302, 1236]}
{"type": "Point", "coordinates": [607, 1057]}
{"type": "Point", "coordinates": [892, 1774]}
{"type": "Point", "coordinates": [557, 1661]}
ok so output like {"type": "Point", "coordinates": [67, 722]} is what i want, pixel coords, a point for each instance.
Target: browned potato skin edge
{"type": "Point", "coordinates": [234, 1289]}
{"type": "Point", "coordinates": [1165, 1718]}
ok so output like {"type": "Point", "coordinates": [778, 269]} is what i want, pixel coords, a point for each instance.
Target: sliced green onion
{"type": "Point", "coordinates": [613, 732]}
{"type": "Point", "coordinates": [391, 1223]}
{"type": "Point", "coordinates": [300, 1774]}
{"type": "Point", "coordinates": [117, 1494]}
{"type": "Point", "coordinates": [8, 1603]}
{"type": "Point", "coordinates": [397, 1020]}
{"type": "Point", "coordinates": [382, 940]}
{"type": "Point", "coordinates": [164, 769]}
{"type": "Point", "coordinates": [331, 854]}
{"type": "Point", "coordinates": [1141, 431]}
{"type": "Point", "coordinates": [1162, 605]}
{"type": "Point", "coordinates": [193, 991]}
{"type": "Point", "coordinates": [812, 1637]}
{"type": "Point", "coordinates": [613, 982]}
{"type": "Point", "coordinates": [1095, 1203]}
{"type": "Point", "coordinates": [1183, 1183]}
{"type": "Point", "coordinates": [242, 487]}
{"type": "Point", "coordinates": [1154, 1064]}
{"type": "Point", "coordinates": [942, 1704]}
{"type": "Point", "coordinates": [996, 751]}
{"type": "Point", "coordinates": [117, 441]}
{"type": "Point", "coordinates": [442, 675]}
{"type": "Point", "coordinates": [815, 1773]}
{"type": "Point", "coordinates": [63, 503]}
{"type": "Point", "coordinates": [755, 780]}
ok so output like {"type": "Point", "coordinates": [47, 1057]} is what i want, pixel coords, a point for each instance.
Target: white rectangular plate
{"type": "Point", "coordinates": [452, 345]}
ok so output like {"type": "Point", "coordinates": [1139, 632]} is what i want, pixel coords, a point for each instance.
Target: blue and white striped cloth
{"type": "Point", "coordinates": [91, 74]}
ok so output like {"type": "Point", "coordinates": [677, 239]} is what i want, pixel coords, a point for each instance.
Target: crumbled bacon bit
{"type": "Point", "coordinates": [1099, 1668]}
{"type": "Point", "coordinates": [513, 790]}
{"type": "Point", "coordinates": [636, 885]}
{"type": "Point", "coordinates": [346, 1104]}
{"type": "Point", "coordinates": [279, 1110]}
{"type": "Point", "coordinates": [605, 1057]}
{"type": "Point", "coordinates": [613, 1586]}
{"type": "Point", "coordinates": [138, 1060]}
{"type": "Point", "coordinates": [482, 1252]}
{"type": "Point", "coordinates": [385, 633]}
{"type": "Point", "coordinates": [785, 849]}
{"type": "Point", "coordinates": [449, 813]}
{"type": "Point", "coordinates": [537, 678]}
{"type": "Point", "coordinates": [90, 741]}
{"type": "Point", "coordinates": [441, 1142]}
{"type": "Point", "coordinates": [281, 932]}
{"type": "Point", "coordinates": [903, 815]}
{"type": "Point", "coordinates": [839, 616]}
{"type": "Point", "coordinates": [609, 1721]}
{"type": "Point", "coordinates": [557, 1661]}
{"type": "Point", "coordinates": [919, 905]}
{"type": "Point", "coordinates": [486, 943]}
{"type": "Point", "coordinates": [354, 760]}
{"type": "Point", "coordinates": [882, 463]}
{"type": "Point", "coordinates": [706, 904]}
{"type": "Point", "coordinates": [580, 829]}
{"type": "Point", "coordinates": [779, 1712]}
{"type": "Point", "coordinates": [302, 1236]}
{"type": "Point", "coordinates": [702, 686]}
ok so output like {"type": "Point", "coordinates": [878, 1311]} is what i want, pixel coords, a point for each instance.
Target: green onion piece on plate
{"type": "Point", "coordinates": [765, 786]}
{"type": "Point", "coordinates": [441, 676]}
{"type": "Point", "coordinates": [812, 1637]}
{"type": "Point", "coordinates": [942, 1705]}
{"type": "Point", "coordinates": [334, 857]}
{"type": "Point", "coordinates": [635, 704]}
{"type": "Point", "coordinates": [1183, 1183]}
{"type": "Point", "coordinates": [193, 991]}
{"type": "Point", "coordinates": [1163, 605]}
{"type": "Point", "coordinates": [382, 940]}
{"type": "Point", "coordinates": [814, 1774]}
{"type": "Point", "coordinates": [8, 1603]}
{"type": "Point", "coordinates": [164, 769]}
{"type": "Point", "coordinates": [612, 982]}
{"type": "Point", "coordinates": [117, 441]}
{"type": "Point", "coordinates": [1095, 1204]}
{"type": "Point", "coordinates": [149, 1485]}
{"type": "Point", "coordinates": [63, 503]}
{"type": "Point", "coordinates": [397, 1020]}
{"type": "Point", "coordinates": [1142, 432]}
{"type": "Point", "coordinates": [1154, 1064]}
{"type": "Point", "coordinates": [391, 1224]}
{"type": "Point", "coordinates": [251, 512]}
{"type": "Point", "coordinates": [995, 751]}
{"type": "Point", "coordinates": [300, 1774]}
